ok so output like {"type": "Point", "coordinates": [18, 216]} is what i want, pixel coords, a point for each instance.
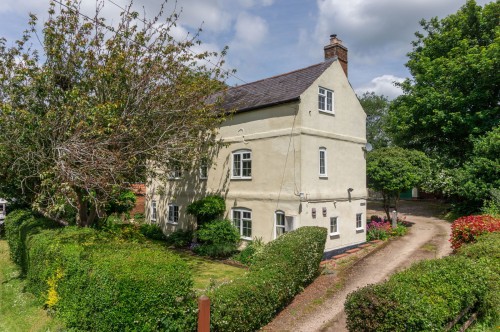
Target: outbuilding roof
{"type": "Point", "coordinates": [273, 90]}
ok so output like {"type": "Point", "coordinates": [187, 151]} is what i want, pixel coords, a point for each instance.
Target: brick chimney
{"type": "Point", "coordinates": [336, 49]}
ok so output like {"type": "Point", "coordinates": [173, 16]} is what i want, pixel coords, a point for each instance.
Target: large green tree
{"type": "Point", "coordinates": [100, 106]}
{"type": "Point", "coordinates": [453, 96]}
{"type": "Point", "coordinates": [376, 109]}
{"type": "Point", "coordinates": [392, 170]}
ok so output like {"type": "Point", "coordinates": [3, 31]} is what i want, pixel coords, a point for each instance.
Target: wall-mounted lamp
{"type": "Point", "coordinates": [350, 190]}
{"type": "Point", "coordinates": [302, 197]}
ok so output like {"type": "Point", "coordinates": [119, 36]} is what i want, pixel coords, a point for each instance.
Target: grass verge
{"type": "Point", "coordinates": [19, 310]}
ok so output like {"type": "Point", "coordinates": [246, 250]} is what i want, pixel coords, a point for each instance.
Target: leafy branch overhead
{"type": "Point", "coordinates": [101, 105]}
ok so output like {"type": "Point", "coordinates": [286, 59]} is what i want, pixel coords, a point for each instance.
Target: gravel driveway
{"type": "Point", "coordinates": [321, 306]}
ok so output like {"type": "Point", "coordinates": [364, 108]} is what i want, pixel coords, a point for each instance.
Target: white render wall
{"type": "Point", "coordinates": [285, 142]}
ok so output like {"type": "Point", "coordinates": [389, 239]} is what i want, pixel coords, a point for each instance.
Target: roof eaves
{"type": "Point", "coordinates": [252, 108]}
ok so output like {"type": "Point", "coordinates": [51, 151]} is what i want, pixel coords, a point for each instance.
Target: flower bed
{"type": "Point", "coordinates": [381, 229]}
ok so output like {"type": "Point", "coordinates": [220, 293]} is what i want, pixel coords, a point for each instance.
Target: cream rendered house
{"type": "Point", "coordinates": [294, 157]}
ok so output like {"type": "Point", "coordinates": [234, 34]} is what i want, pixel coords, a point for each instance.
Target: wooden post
{"type": "Point", "coordinates": [203, 314]}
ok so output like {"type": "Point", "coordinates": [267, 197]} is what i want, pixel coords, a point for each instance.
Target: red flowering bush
{"type": "Point", "coordinates": [466, 229]}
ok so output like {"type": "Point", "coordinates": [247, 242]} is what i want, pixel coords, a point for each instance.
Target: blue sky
{"type": "Point", "coordinates": [271, 37]}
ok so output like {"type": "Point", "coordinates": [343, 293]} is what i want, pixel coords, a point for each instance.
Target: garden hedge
{"type": "Point", "coordinates": [429, 295]}
{"type": "Point", "coordinates": [283, 268]}
{"type": "Point", "coordinates": [99, 284]}
{"type": "Point", "coordinates": [19, 225]}
{"type": "Point", "coordinates": [102, 281]}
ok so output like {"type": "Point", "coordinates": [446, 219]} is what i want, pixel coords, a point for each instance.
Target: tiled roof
{"type": "Point", "coordinates": [273, 90]}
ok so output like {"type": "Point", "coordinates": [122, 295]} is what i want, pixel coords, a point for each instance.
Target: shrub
{"type": "Point", "coordinates": [180, 238]}
{"type": "Point", "coordinates": [19, 226]}
{"type": "Point", "coordinates": [425, 297]}
{"type": "Point", "coordinates": [377, 229]}
{"type": "Point", "coordinates": [207, 209]}
{"type": "Point", "coordinates": [152, 231]}
{"type": "Point", "coordinates": [252, 249]}
{"type": "Point", "coordinates": [283, 268]}
{"type": "Point", "coordinates": [466, 229]}
{"type": "Point", "coordinates": [218, 238]}
{"type": "Point", "coordinates": [400, 230]}
{"type": "Point", "coordinates": [96, 283]}
{"type": "Point", "coordinates": [381, 229]}
{"type": "Point", "coordinates": [487, 250]}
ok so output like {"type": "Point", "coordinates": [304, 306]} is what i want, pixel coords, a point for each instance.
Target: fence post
{"type": "Point", "coordinates": [203, 314]}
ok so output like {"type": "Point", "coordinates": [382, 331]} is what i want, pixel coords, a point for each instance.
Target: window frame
{"type": "Point", "coordinates": [240, 226]}
{"type": "Point", "coordinates": [240, 154]}
{"type": "Point", "coordinates": [276, 226]}
{"type": "Point", "coordinates": [323, 150]}
{"type": "Point", "coordinates": [337, 232]}
{"type": "Point", "coordinates": [174, 214]}
{"type": "Point", "coordinates": [175, 173]}
{"type": "Point", "coordinates": [154, 211]}
{"type": "Point", "coordinates": [359, 218]}
{"type": "Point", "coordinates": [325, 104]}
{"type": "Point", "coordinates": [204, 170]}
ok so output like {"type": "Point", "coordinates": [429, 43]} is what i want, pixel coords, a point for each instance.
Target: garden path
{"type": "Point", "coordinates": [313, 311]}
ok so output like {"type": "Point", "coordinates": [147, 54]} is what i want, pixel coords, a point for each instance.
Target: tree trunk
{"type": "Point", "coordinates": [387, 204]}
{"type": "Point", "coordinates": [87, 213]}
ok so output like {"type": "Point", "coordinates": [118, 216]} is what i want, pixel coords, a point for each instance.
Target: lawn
{"type": "Point", "coordinates": [19, 310]}
{"type": "Point", "coordinates": [206, 271]}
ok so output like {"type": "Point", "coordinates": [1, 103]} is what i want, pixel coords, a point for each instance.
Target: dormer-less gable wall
{"type": "Point", "coordinates": [340, 134]}
{"type": "Point", "coordinates": [347, 117]}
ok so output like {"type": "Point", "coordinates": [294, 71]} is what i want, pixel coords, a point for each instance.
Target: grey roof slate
{"type": "Point", "coordinates": [273, 90]}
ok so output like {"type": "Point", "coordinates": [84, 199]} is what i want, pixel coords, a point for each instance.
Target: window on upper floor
{"type": "Point", "coordinates": [242, 164]}
{"type": "Point", "coordinates": [325, 100]}
{"type": "Point", "coordinates": [242, 220]}
{"type": "Point", "coordinates": [322, 163]}
{"type": "Point", "coordinates": [173, 213]}
{"type": "Point", "coordinates": [204, 169]}
{"type": "Point", "coordinates": [175, 173]}
{"type": "Point", "coordinates": [153, 211]}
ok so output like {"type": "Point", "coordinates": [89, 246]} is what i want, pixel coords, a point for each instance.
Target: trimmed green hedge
{"type": "Point", "coordinates": [282, 270]}
{"type": "Point", "coordinates": [427, 296]}
{"type": "Point", "coordinates": [99, 284]}
{"type": "Point", "coordinates": [487, 251]}
{"type": "Point", "coordinates": [19, 225]}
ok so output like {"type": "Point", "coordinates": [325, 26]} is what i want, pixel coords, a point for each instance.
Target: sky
{"type": "Point", "coordinates": [272, 37]}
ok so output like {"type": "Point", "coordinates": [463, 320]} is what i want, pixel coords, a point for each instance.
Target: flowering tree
{"type": "Point", "coordinates": [101, 107]}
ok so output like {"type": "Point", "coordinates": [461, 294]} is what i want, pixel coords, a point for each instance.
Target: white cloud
{"type": "Point", "coordinates": [383, 85]}
{"type": "Point", "coordinates": [250, 31]}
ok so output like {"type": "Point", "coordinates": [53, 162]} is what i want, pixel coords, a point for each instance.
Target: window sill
{"type": "Point", "coordinates": [246, 238]}
{"type": "Point", "coordinates": [241, 179]}
{"type": "Point", "coordinates": [324, 177]}
{"type": "Point", "coordinates": [360, 230]}
{"type": "Point", "coordinates": [172, 223]}
{"type": "Point", "coordinates": [335, 235]}
{"type": "Point", "coordinates": [332, 113]}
